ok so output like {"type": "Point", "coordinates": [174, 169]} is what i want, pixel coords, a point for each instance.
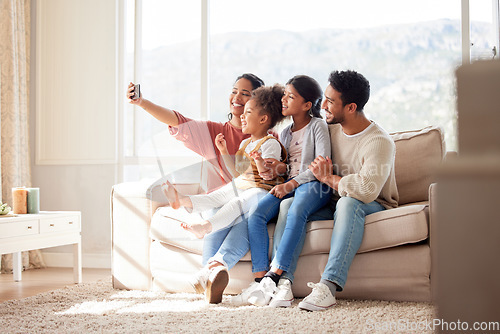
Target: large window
{"type": "Point", "coordinates": [163, 55]}
{"type": "Point", "coordinates": [408, 50]}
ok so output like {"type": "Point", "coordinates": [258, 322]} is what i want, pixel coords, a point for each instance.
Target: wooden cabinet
{"type": "Point", "coordinates": [46, 229]}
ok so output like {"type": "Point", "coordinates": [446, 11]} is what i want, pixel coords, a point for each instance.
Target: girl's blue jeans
{"type": "Point", "coordinates": [308, 198]}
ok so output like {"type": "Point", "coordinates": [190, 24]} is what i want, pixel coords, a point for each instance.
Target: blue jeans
{"type": "Point", "coordinates": [308, 198]}
{"type": "Point", "coordinates": [227, 245]}
{"type": "Point", "coordinates": [348, 229]}
{"type": "Point", "coordinates": [325, 213]}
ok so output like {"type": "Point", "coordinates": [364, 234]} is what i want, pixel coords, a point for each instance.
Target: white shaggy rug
{"type": "Point", "coordinates": [97, 307]}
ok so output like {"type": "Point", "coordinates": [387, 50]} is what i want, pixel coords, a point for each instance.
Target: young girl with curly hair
{"type": "Point", "coordinates": [262, 113]}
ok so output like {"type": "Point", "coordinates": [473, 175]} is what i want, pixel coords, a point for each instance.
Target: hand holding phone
{"type": "Point", "coordinates": [134, 92]}
{"type": "Point", "coordinates": [137, 92]}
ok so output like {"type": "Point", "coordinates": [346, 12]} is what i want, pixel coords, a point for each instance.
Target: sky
{"type": "Point", "coordinates": [170, 22]}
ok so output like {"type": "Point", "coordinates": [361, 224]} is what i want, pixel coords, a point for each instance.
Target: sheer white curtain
{"type": "Point", "coordinates": [14, 108]}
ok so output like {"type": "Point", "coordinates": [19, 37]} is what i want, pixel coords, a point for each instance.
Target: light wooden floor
{"type": "Point", "coordinates": [35, 281]}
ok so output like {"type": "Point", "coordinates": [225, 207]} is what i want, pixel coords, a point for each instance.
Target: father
{"type": "Point", "coordinates": [361, 173]}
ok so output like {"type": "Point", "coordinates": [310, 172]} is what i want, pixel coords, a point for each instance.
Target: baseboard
{"type": "Point", "coordinates": [63, 260]}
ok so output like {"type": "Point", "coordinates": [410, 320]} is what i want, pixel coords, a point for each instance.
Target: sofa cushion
{"type": "Point", "coordinates": [166, 228]}
{"type": "Point", "coordinates": [395, 227]}
{"type": "Point", "coordinates": [418, 154]}
{"type": "Point", "coordinates": [384, 229]}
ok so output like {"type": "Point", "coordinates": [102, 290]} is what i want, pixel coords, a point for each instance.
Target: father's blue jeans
{"type": "Point", "coordinates": [308, 198]}
{"type": "Point", "coordinates": [348, 229]}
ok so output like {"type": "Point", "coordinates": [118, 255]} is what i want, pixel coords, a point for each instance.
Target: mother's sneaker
{"type": "Point", "coordinates": [216, 283]}
{"type": "Point", "coordinates": [200, 279]}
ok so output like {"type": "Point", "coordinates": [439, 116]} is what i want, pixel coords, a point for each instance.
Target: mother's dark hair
{"type": "Point", "coordinates": [255, 80]}
{"type": "Point", "coordinates": [310, 90]}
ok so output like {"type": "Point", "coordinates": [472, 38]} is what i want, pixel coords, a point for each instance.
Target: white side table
{"type": "Point", "coordinates": [42, 230]}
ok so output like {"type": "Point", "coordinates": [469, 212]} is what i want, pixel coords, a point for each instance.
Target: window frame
{"type": "Point", "coordinates": [205, 113]}
{"type": "Point", "coordinates": [465, 31]}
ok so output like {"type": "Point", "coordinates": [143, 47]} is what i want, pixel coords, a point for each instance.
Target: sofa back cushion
{"type": "Point", "coordinates": [418, 155]}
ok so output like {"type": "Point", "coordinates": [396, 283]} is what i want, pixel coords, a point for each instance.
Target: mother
{"type": "Point", "coordinates": [199, 135]}
{"type": "Point", "coordinates": [222, 249]}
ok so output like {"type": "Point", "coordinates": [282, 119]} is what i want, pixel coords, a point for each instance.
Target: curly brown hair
{"type": "Point", "coordinates": [268, 98]}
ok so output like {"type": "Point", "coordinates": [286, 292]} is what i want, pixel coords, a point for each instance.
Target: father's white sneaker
{"type": "Point", "coordinates": [284, 296]}
{"type": "Point", "coordinates": [319, 299]}
{"type": "Point", "coordinates": [242, 298]}
{"type": "Point", "coordinates": [264, 292]}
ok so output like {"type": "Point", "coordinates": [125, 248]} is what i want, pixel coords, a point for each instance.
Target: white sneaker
{"type": "Point", "coordinates": [319, 299]}
{"type": "Point", "coordinates": [199, 280]}
{"type": "Point", "coordinates": [217, 282]}
{"type": "Point", "coordinates": [242, 298]}
{"type": "Point", "coordinates": [284, 296]}
{"type": "Point", "coordinates": [264, 292]}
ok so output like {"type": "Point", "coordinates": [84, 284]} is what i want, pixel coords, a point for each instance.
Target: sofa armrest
{"type": "Point", "coordinates": [132, 207]}
{"type": "Point", "coordinates": [131, 211]}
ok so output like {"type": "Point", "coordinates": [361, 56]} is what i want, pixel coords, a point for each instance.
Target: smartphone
{"type": "Point", "coordinates": [137, 92]}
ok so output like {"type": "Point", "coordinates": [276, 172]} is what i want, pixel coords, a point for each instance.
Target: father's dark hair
{"type": "Point", "coordinates": [354, 87]}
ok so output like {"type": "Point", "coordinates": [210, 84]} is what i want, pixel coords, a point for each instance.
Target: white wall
{"type": "Point", "coordinates": [71, 180]}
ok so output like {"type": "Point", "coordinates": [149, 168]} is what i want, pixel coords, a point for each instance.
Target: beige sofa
{"type": "Point", "coordinates": [393, 263]}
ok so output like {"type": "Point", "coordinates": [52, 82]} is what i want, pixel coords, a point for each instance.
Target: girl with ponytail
{"type": "Point", "coordinates": [305, 139]}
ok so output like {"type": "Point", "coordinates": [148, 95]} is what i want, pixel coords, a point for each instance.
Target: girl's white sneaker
{"type": "Point", "coordinates": [284, 296]}
{"type": "Point", "coordinates": [264, 292]}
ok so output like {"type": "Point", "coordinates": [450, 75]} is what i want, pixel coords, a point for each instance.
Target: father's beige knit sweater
{"type": "Point", "coordinates": [366, 163]}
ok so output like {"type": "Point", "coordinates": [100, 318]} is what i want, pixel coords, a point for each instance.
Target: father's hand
{"type": "Point", "coordinates": [322, 168]}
